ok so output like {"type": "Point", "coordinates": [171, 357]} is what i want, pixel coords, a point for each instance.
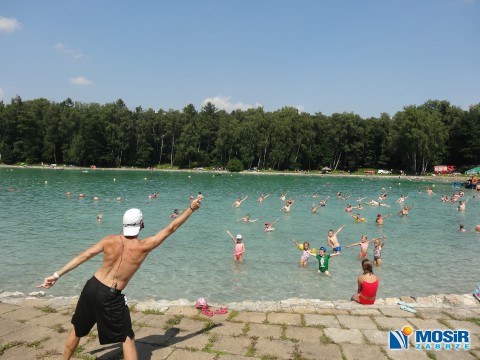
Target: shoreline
{"type": "Point", "coordinates": [439, 301]}
{"type": "Point", "coordinates": [433, 178]}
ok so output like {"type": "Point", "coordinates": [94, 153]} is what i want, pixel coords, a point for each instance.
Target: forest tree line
{"type": "Point", "coordinates": [111, 135]}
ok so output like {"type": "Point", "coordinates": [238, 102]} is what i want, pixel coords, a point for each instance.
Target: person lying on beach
{"type": "Point", "coordinates": [239, 201]}
{"type": "Point", "coordinates": [323, 259]}
{"type": "Point", "coordinates": [305, 247]}
{"type": "Point", "coordinates": [363, 246]}
{"type": "Point", "coordinates": [379, 219]}
{"type": "Point", "coordinates": [367, 285]}
{"type": "Point", "coordinates": [269, 227]}
{"type": "Point", "coordinates": [101, 300]}
{"type": "Point", "coordinates": [239, 247]}
{"type": "Point", "coordinates": [333, 241]}
{"type": "Point", "coordinates": [262, 197]}
{"type": "Point", "coordinates": [246, 218]}
{"type": "Point", "coordinates": [406, 209]}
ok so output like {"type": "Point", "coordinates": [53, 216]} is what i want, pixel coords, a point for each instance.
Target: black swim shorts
{"type": "Point", "coordinates": [108, 309]}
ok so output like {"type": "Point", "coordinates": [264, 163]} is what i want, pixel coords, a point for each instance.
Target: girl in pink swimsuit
{"type": "Point", "coordinates": [363, 247]}
{"type": "Point", "coordinates": [239, 247]}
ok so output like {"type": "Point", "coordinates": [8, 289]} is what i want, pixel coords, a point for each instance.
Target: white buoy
{"type": "Point", "coordinates": [114, 179]}
{"type": "Point", "coordinates": [144, 178]}
{"type": "Point", "coordinates": [46, 182]}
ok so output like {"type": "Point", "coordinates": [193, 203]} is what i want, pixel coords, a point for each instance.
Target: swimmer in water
{"type": "Point", "coordinates": [246, 218]}
{"type": "Point", "coordinates": [288, 205]}
{"type": "Point", "coordinates": [333, 241]}
{"type": "Point", "coordinates": [462, 205]}
{"type": "Point", "coordinates": [358, 218]}
{"type": "Point", "coordinates": [406, 209]}
{"type": "Point", "coordinates": [175, 213]}
{"type": "Point", "coordinates": [363, 246]}
{"type": "Point", "coordinates": [269, 227]}
{"type": "Point", "coordinates": [323, 259]}
{"type": "Point", "coordinates": [314, 208]}
{"type": "Point", "coordinates": [377, 251]}
{"type": "Point", "coordinates": [401, 199]}
{"type": "Point", "coordinates": [99, 217]}
{"type": "Point", "coordinates": [283, 196]}
{"type": "Point", "coordinates": [379, 219]}
{"type": "Point", "coordinates": [315, 195]}
{"type": "Point", "coordinates": [239, 247]}
{"type": "Point", "coordinates": [429, 190]}
{"type": "Point", "coordinates": [350, 208]}
{"type": "Point", "coordinates": [306, 252]}
{"type": "Point", "coordinates": [239, 201]}
{"type": "Point", "coordinates": [323, 202]}
{"type": "Point", "coordinates": [462, 228]}
{"type": "Point", "coordinates": [262, 197]}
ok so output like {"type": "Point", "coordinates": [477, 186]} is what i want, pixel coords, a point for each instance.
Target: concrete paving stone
{"type": "Point", "coordinates": [8, 326]}
{"type": "Point", "coordinates": [21, 352]}
{"type": "Point", "coordinates": [321, 320]}
{"type": "Point", "coordinates": [29, 334]}
{"type": "Point", "coordinates": [475, 353]}
{"type": "Point", "coordinates": [304, 334]}
{"type": "Point", "coordinates": [460, 314]}
{"type": "Point", "coordinates": [278, 348]}
{"type": "Point", "coordinates": [182, 310]}
{"type": "Point", "coordinates": [475, 310]}
{"type": "Point", "coordinates": [362, 352]}
{"type": "Point", "coordinates": [332, 311]}
{"type": "Point", "coordinates": [191, 325]}
{"type": "Point", "coordinates": [429, 324]}
{"type": "Point", "coordinates": [158, 321]}
{"type": "Point", "coordinates": [265, 331]}
{"type": "Point", "coordinates": [453, 355]}
{"type": "Point", "coordinates": [56, 342]}
{"type": "Point", "coordinates": [391, 323]}
{"type": "Point", "coordinates": [366, 312]}
{"type": "Point", "coordinates": [188, 340]}
{"type": "Point", "coordinates": [156, 336]}
{"type": "Point", "coordinates": [304, 309]}
{"type": "Point", "coordinates": [319, 351]}
{"type": "Point", "coordinates": [282, 318]}
{"type": "Point", "coordinates": [431, 313]}
{"type": "Point", "coordinates": [356, 322]}
{"type": "Point", "coordinates": [467, 325]}
{"type": "Point", "coordinates": [396, 312]}
{"type": "Point", "coordinates": [250, 317]}
{"type": "Point", "coordinates": [155, 353]}
{"type": "Point", "coordinates": [179, 354]}
{"type": "Point", "coordinates": [236, 357]}
{"type": "Point", "coordinates": [5, 308]}
{"type": "Point", "coordinates": [409, 354]}
{"type": "Point", "coordinates": [111, 352]}
{"type": "Point", "coordinates": [51, 320]}
{"type": "Point", "coordinates": [231, 345]}
{"type": "Point", "coordinates": [23, 314]}
{"type": "Point", "coordinates": [228, 329]}
{"type": "Point", "coordinates": [376, 337]}
{"type": "Point", "coordinates": [338, 336]}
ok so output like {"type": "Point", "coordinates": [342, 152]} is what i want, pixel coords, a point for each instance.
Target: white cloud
{"type": "Point", "coordinates": [81, 81]}
{"type": "Point", "coordinates": [300, 108]}
{"type": "Point", "coordinates": [2, 93]}
{"type": "Point", "coordinates": [9, 24]}
{"type": "Point", "coordinates": [224, 103]}
{"type": "Point", "coordinates": [65, 49]}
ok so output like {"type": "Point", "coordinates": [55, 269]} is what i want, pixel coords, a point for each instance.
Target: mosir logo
{"type": "Point", "coordinates": [430, 339]}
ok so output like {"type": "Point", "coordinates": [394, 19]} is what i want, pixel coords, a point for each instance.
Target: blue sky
{"type": "Point", "coordinates": [366, 57]}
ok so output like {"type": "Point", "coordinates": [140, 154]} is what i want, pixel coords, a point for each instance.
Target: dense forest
{"type": "Point", "coordinates": [111, 135]}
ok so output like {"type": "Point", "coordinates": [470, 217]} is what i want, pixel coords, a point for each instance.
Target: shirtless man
{"type": "Point", "coordinates": [323, 202]}
{"type": "Point", "coordinates": [246, 218]}
{"type": "Point", "coordinates": [101, 300]}
{"type": "Point", "coordinates": [401, 199]}
{"type": "Point", "coordinates": [333, 241]}
{"type": "Point", "coordinates": [379, 219]}
{"type": "Point", "coordinates": [462, 205]}
{"type": "Point", "coordinates": [406, 209]}
{"type": "Point", "coordinates": [239, 201]}
{"type": "Point", "coordinates": [288, 205]}
{"type": "Point", "coordinates": [262, 197]}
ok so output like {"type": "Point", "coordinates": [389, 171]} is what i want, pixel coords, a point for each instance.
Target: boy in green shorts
{"type": "Point", "coordinates": [323, 258]}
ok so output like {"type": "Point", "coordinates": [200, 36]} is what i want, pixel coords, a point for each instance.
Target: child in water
{"type": "Point", "coordinates": [377, 251]}
{"type": "Point", "coordinates": [323, 259]}
{"type": "Point", "coordinates": [363, 246]}
{"type": "Point", "coordinates": [269, 227]}
{"type": "Point", "coordinates": [306, 252]}
{"type": "Point", "coordinates": [239, 247]}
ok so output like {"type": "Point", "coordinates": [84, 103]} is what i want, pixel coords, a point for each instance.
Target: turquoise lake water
{"type": "Point", "coordinates": [41, 229]}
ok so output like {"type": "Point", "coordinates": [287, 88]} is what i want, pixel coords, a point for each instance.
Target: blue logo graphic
{"type": "Point", "coordinates": [398, 340]}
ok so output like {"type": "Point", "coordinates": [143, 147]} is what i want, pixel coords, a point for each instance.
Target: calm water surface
{"type": "Point", "coordinates": [42, 229]}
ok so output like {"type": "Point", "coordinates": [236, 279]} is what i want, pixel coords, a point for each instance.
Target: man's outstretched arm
{"type": "Point", "coordinates": [157, 239]}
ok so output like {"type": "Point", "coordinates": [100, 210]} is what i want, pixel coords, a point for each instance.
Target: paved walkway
{"type": "Point", "coordinates": [38, 330]}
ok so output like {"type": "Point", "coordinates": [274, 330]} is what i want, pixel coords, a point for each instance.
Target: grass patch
{"type": "Point", "coordinates": [132, 308]}
{"type": "Point", "coordinates": [284, 332]}
{"type": "Point", "coordinates": [269, 357]}
{"type": "Point", "coordinates": [47, 309]}
{"type": "Point", "coordinates": [80, 349]}
{"type": "Point", "coordinates": [175, 320]}
{"type": "Point", "coordinates": [152, 312]}
{"type": "Point", "coordinates": [475, 321]}
{"type": "Point", "coordinates": [141, 324]}
{"type": "Point", "coordinates": [191, 349]}
{"type": "Point", "coordinates": [48, 354]}
{"type": "Point", "coordinates": [211, 342]}
{"type": "Point", "coordinates": [325, 339]}
{"type": "Point", "coordinates": [302, 320]}
{"type": "Point", "coordinates": [38, 343]}
{"type": "Point", "coordinates": [9, 346]}
{"type": "Point", "coordinates": [297, 354]}
{"type": "Point", "coordinates": [232, 315]}
{"type": "Point", "coordinates": [208, 325]}
{"type": "Point", "coordinates": [58, 328]}
{"type": "Point", "coordinates": [431, 355]}
{"type": "Point", "coordinates": [252, 347]}
{"type": "Point", "coordinates": [22, 321]}
{"type": "Point", "coordinates": [245, 329]}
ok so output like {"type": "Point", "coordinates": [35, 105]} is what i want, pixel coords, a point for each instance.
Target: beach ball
{"type": "Point", "coordinates": [300, 246]}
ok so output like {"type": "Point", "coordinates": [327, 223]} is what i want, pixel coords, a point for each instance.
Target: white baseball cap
{"type": "Point", "coordinates": [132, 220]}
{"type": "Point", "coordinates": [239, 237]}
